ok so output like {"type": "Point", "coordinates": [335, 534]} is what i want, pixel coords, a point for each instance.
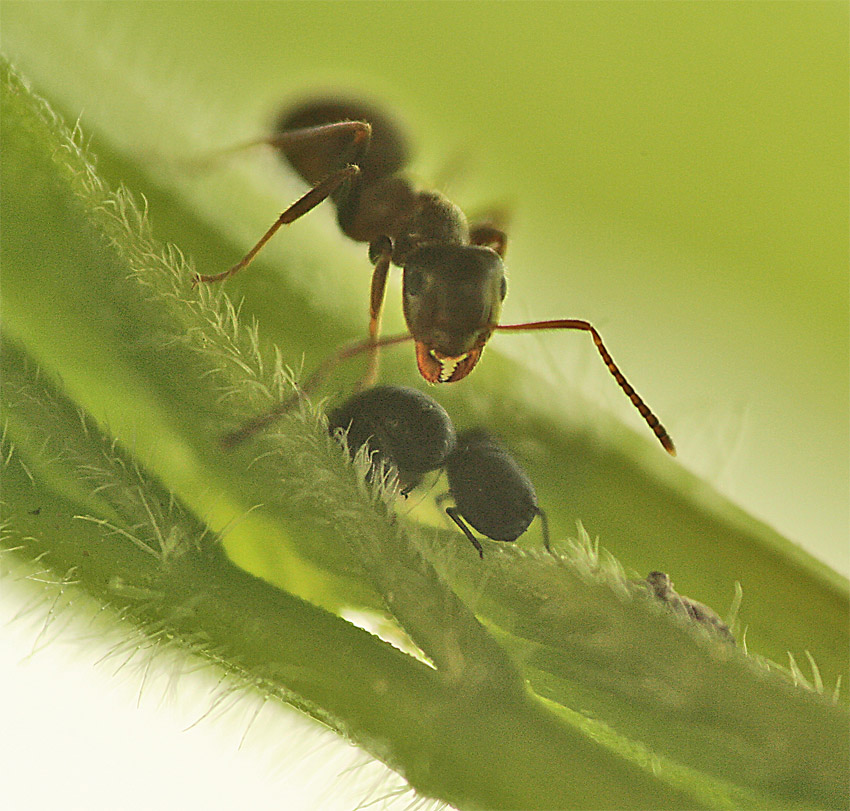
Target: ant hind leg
{"type": "Point", "coordinates": [298, 209]}
{"type": "Point", "coordinates": [388, 152]}
{"type": "Point", "coordinates": [327, 157]}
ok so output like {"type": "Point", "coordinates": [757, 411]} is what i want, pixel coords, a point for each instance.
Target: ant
{"type": "Point", "coordinates": [410, 430]}
{"type": "Point", "coordinates": [453, 282]}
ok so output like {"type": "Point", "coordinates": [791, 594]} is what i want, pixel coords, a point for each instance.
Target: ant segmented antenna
{"type": "Point", "coordinates": [637, 401]}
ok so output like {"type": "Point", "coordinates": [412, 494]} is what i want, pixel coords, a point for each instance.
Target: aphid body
{"type": "Point", "coordinates": [660, 586]}
{"type": "Point", "coordinates": [490, 490]}
{"type": "Point", "coordinates": [408, 429]}
{"type": "Point", "coordinates": [402, 426]}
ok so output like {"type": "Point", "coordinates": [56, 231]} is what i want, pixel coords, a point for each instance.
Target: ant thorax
{"type": "Point", "coordinates": [432, 218]}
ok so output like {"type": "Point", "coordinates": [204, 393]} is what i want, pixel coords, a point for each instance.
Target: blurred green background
{"type": "Point", "coordinates": [675, 173]}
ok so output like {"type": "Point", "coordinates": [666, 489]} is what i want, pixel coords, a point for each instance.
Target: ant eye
{"type": "Point", "coordinates": [504, 289]}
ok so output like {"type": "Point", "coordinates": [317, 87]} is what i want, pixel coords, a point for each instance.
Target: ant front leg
{"type": "Point", "coordinates": [355, 134]}
{"type": "Point", "coordinates": [350, 350]}
{"type": "Point", "coordinates": [380, 252]}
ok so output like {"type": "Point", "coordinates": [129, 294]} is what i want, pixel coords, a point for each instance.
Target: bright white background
{"type": "Point", "coordinates": [78, 733]}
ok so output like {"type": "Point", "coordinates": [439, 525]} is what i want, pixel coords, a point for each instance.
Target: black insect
{"type": "Point", "coordinates": [403, 427]}
{"type": "Point", "coordinates": [490, 491]}
{"type": "Point", "coordinates": [453, 274]}
{"type": "Point", "coordinates": [660, 586]}
{"type": "Point", "coordinates": [411, 431]}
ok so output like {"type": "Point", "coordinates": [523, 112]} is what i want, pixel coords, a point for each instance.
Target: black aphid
{"type": "Point", "coordinates": [403, 427]}
{"type": "Point", "coordinates": [490, 490]}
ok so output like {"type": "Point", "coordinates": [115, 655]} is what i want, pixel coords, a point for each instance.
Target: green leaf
{"type": "Point", "coordinates": [90, 296]}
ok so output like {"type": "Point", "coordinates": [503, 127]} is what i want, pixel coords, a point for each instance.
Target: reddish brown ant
{"type": "Point", "coordinates": [453, 281]}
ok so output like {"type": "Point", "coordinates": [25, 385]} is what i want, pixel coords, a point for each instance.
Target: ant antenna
{"type": "Point", "coordinates": [637, 401]}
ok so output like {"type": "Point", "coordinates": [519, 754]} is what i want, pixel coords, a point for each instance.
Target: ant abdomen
{"type": "Point", "coordinates": [388, 151]}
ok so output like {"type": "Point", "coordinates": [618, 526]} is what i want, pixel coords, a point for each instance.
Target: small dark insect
{"type": "Point", "coordinates": [410, 430]}
{"type": "Point", "coordinates": [453, 274]}
{"type": "Point", "coordinates": [490, 490]}
{"type": "Point", "coordinates": [404, 427]}
{"type": "Point", "coordinates": [660, 586]}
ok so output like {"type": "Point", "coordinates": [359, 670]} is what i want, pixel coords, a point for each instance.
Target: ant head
{"type": "Point", "coordinates": [452, 301]}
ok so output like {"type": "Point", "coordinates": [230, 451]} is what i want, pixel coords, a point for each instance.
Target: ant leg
{"type": "Point", "coordinates": [353, 133]}
{"type": "Point", "coordinates": [298, 209]}
{"type": "Point", "coordinates": [346, 351]}
{"type": "Point", "coordinates": [453, 514]}
{"type": "Point", "coordinates": [489, 236]}
{"type": "Point", "coordinates": [544, 521]}
{"type": "Point", "coordinates": [380, 252]}
{"type": "Point", "coordinates": [572, 323]}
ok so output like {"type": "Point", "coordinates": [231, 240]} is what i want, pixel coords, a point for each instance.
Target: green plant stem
{"type": "Point", "coordinates": [476, 738]}
{"type": "Point", "coordinates": [90, 293]}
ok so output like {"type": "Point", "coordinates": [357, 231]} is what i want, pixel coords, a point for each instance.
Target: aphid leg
{"type": "Point", "coordinates": [490, 237]}
{"type": "Point", "coordinates": [544, 524]}
{"type": "Point", "coordinates": [453, 514]}
{"type": "Point", "coordinates": [380, 252]}
{"type": "Point", "coordinates": [298, 209]}
{"type": "Point", "coordinates": [572, 323]}
{"type": "Point", "coordinates": [252, 426]}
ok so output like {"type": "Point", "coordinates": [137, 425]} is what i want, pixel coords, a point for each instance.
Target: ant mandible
{"type": "Point", "coordinates": [453, 282]}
